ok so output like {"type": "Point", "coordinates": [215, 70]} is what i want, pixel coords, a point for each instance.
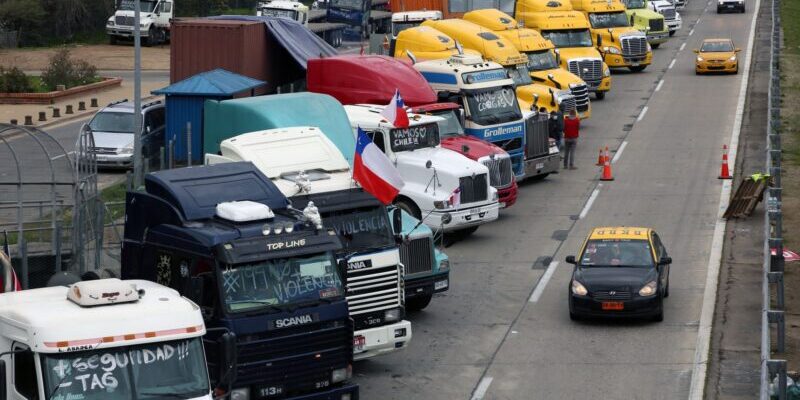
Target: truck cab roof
{"type": "Point", "coordinates": [368, 116]}
{"type": "Point", "coordinates": [473, 36]}
{"type": "Point", "coordinates": [426, 43]}
{"type": "Point", "coordinates": [414, 16]}
{"type": "Point", "coordinates": [47, 321]}
{"type": "Point", "coordinates": [504, 25]}
{"type": "Point", "coordinates": [598, 6]}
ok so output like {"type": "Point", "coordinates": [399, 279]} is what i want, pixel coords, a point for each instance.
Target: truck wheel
{"type": "Point", "coordinates": [672, 33]}
{"type": "Point", "coordinates": [639, 68]}
{"type": "Point", "coordinates": [151, 36]}
{"type": "Point", "coordinates": [409, 207]}
{"type": "Point", "coordinates": [655, 45]}
{"type": "Point", "coordinates": [418, 303]}
{"type": "Point", "coordinates": [112, 40]}
{"type": "Point", "coordinates": [600, 95]}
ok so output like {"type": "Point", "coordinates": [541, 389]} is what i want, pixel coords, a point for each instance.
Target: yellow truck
{"type": "Point", "coordinates": [495, 48]}
{"type": "Point", "coordinates": [543, 63]}
{"type": "Point", "coordinates": [425, 43]}
{"type": "Point", "coordinates": [569, 31]}
{"type": "Point", "coordinates": [621, 45]}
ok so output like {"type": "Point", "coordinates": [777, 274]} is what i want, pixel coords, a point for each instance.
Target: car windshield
{"type": "Point", "coordinates": [450, 126]}
{"type": "Point", "coordinates": [569, 37]}
{"type": "Point", "coordinates": [711, 47]}
{"type": "Point", "coordinates": [281, 281]}
{"type": "Point", "coordinates": [112, 122]}
{"type": "Point", "coordinates": [608, 20]}
{"type": "Point", "coordinates": [165, 370]}
{"type": "Point", "coordinates": [351, 4]}
{"type": "Point", "coordinates": [398, 27]}
{"type": "Point", "coordinates": [617, 252]}
{"type": "Point", "coordinates": [276, 12]}
{"type": "Point", "coordinates": [362, 228]}
{"type": "Point", "coordinates": [493, 106]}
{"type": "Point", "coordinates": [541, 60]}
{"type": "Point", "coordinates": [634, 3]}
{"type": "Point", "coordinates": [414, 137]}
{"type": "Point", "coordinates": [519, 73]}
{"type": "Point", "coordinates": [144, 5]}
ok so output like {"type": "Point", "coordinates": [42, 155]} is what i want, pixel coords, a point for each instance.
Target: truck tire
{"type": "Point", "coordinates": [639, 68]}
{"type": "Point", "coordinates": [418, 303]}
{"type": "Point", "coordinates": [655, 45]}
{"type": "Point", "coordinates": [409, 207]}
{"type": "Point", "coordinates": [112, 40]}
{"type": "Point", "coordinates": [672, 33]}
{"type": "Point", "coordinates": [148, 41]}
{"type": "Point", "coordinates": [600, 95]}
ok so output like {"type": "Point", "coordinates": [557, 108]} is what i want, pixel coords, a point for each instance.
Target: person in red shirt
{"type": "Point", "coordinates": [571, 132]}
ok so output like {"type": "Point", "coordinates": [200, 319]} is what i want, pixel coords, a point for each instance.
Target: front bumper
{"type": "Point", "coordinates": [730, 5]}
{"type": "Point", "coordinates": [636, 307]}
{"type": "Point", "coordinates": [114, 160]}
{"type": "Point", "coordinates": [657, 37]}
{"type": "Point", "coordinates": [125, 31]}
{"type": "Point", "coordinates": [427, 285]}
{"type": "Point", "coordinates": [726, 66]}
{"type": "Point", "coordinates": [383, 339]}
{"type": "Point", "coordinates": [332, 394]}
{"type": "Point", "coordinates": [542, 165]}
{"type": "Point", "coordinates": [674, 24]}
{"type": "Point", "coordinates": [508, 196]}
{"type": "Point", "coordinates": [620, 61]}
{"type": "Point", "coordinates": [464, 217]}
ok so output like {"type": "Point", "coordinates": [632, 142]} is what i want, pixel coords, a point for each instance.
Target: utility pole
{"type": "Point", "coordinates": [137, 96]}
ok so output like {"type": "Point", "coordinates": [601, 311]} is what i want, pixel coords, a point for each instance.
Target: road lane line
{"type": "Point", "coordinates": [660, 83]}
{"type": "Point", "coordinates": [589, 203]}
{"type": "Point", "coordinates": [683, 46]}
{"type": "Point", "coordinates": [62, 155]}
{"type": "Point", "coordinates": [641, 114]}
{"type": "Point", "coordinates": [690, 33]}
{"type": "Point", "coordinates": [672, 64]}
{"type": "Point", "coordinates": [702, 348]}
{"type": "Point", "coordinates": [537, 293]}
{"type": "Point", "coordinates": [619, 152]}
{"type": "Point", "coordinates": [480, 391]}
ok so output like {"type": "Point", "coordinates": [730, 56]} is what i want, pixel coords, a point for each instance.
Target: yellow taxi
{"type": "Point", "coordinates": [620, 272]}
{"type": "Point", "coordinates": [717, 55]}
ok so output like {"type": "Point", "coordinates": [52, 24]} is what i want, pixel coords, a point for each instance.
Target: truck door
{"type": "Point", "coordinates": [164, 14]}
{"type": "Point", "coordinates": [24, 377]}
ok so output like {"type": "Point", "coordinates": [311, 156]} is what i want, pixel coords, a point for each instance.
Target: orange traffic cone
{"type": "Point", "coordinates": [600, 158]}
{"type": "Point", "coordinates": [607, 176]}
{"type": "Point", "coordinates": [724, 171]}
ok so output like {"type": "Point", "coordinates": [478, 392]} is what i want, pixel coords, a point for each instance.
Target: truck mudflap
{"type": "Point", "coordinates": [542, 165]}
{"type": "Point", "coordinates": [427, 285]}
{"type": "Point", "coordinates": [372, 342]}
{"type": "Point", "coordinates": [348, 391]}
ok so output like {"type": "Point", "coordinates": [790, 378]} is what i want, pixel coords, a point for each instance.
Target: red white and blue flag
{"type": "Point", "coordinates": [373, 170]}
{"type": "Point", "coordinates": [395, 111]}
{"type": "Point", "coordinates": [455, 197]}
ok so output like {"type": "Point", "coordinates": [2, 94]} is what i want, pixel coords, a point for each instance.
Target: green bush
{"type": "Point", "coordinates": [65, 71]}
{"type": "Point", "coordinates": [13, 80]}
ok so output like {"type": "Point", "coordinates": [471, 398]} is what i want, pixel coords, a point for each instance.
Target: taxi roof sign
{"type": "Point", "coordinates": [102, 292]}
{"type": "Point", "coordinates": [620, 232]}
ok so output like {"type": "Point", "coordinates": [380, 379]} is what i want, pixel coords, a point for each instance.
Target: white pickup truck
{"type": "Point", "coordinates": [155, 18]}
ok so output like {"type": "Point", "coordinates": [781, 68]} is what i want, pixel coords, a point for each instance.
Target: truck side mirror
{"type": "Point", "coordinates": [196, 289]}
{"type": "Point", "coordinates": [462, 116]}
{"type": "Point", "coordinates": [3, 380]}
{"type": "Point", "coordinates": [665, 261]}
{"type": "Point", "coordinates": [571, 260]}
{"type": "Point", "coordinates": [599, 40]}
{"type": "Point", "coordinates": [397, 221]}
{"type": "Point", "coordinates": [228, 359]}
{"type": "Point", "coordinates": [696, 51]}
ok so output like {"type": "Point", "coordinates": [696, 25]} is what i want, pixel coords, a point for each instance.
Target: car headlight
{"type": "Point", "coordinates": [649, 48]}
{"type": "Point", "coordinates": [341, 374]}
{"type": "Point", "coordinates": [444, 265]}
{"type": "Point", "coordinates": [441, 204]}
{"type": "Point", "coordinates": [240, 394]}
{"type": "Point", "coordinates": [607, 72]}
{"type": "Point", "coordinates": [578, 288]}
{"type": "Point", "coordinates": [613, 50]}
{"type": "Point", "coordinates": [392, 315]}
{"type": "Point", "coordinates": [733, 58]}
{"type": "Point", "coordinates": [125, 150]}
{"type": "Point", "coordinates": [699, 59]}
{"type": "Point", "coordinates": [648, 290]}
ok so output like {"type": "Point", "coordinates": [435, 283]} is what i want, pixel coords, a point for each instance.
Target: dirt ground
{"type": "Point", "coordinates": [104, 57]}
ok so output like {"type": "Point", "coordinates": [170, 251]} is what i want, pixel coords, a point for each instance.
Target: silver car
{"type": "Point", "coordinates": [112, 129]}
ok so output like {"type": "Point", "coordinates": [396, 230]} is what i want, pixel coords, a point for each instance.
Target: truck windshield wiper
{"type": "Point", "coordinates": [266, 304]}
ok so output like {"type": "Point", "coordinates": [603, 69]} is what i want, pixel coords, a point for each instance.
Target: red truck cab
{"type": "Point", "coordinates": [372, 79]}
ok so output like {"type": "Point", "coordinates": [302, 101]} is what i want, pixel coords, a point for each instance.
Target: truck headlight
{"type": "Point", "coordinates": [613, 50]}
{"type": "Point", "coordinates": [110, 23]}
{"type": "Point", "coordinates": [240, 394]}
{"type": "Point", "coordinates": [441, 204]}
{"type": "Point", "coordinates": [648, 290]}
{"type": "Point", "coordinates": [341, 374]}
{"type": "Point", "coordinates": [444, 265]}
{"type": "Point", "coordinates": [392, 315]}
{"type": "Point", "coordinates": [606, 72]}
{"type": "Point", "coordinates": [495, 196]}
{"type": "Point", "coordinates": [578, 288]}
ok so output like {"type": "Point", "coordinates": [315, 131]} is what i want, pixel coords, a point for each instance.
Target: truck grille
{"type": "Point", "coordinates": [499, 171]}
{"type": "Point", "coordinates": [417, 256]}
{"type": "Point", "coordinates": [581, 94]}
{"type": "Point", "coordinates": [473, 188]}
{"type": "Point", "coordinates": [588, 70]}
{"type": "Point", "coordinates": [634, 46]}
{"type": "Point", "coordinates": [537, 136]}
{"type": "Point", "coordinates": [606, 295]}
{"type": "Point", "coordinates": [123, 20]}
{"type": "Point", "coordinates": [373, 289]}
{"type": "Point", "coordinates": [668, 13]}
{"type": "Point", "coordinates": [104, 150]}
{"type": "Point", "coordinates": [656, 25]}
{"type": "Point", "coordinates": [567, 104]}
{"type": "Point", "coordinates": [293, 358]}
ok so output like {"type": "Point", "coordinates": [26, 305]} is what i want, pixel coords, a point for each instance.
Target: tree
{"type": "Point", "coordinates": [23, 16]}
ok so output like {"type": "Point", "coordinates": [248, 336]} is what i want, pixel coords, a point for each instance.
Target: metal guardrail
{"type": "Point", "coordinates": [773, 227]}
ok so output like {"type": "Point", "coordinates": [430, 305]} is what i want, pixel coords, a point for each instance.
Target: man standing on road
{"type": "Point", "coordinates": [571, 127]}
{"type": "Point", "coordinates": [556, 125]}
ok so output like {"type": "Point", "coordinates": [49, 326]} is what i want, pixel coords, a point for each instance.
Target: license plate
{"type": "Point", "coordinates": [440, 285]}
{"type": "Point", "coordinates": [539, 165]}
{"type": "Point", "coordinates": [270, 391]}
{"type": "Point", "coordinates": [729, 6]}
{"type": "Point", "coordinates": [358, 342]}
{"type": "Point", "coordinates": [613, 305]}
{"type": "Point", "coordinates": [474, 211]}
{"type": "Point", "coordinates": [634, 64]}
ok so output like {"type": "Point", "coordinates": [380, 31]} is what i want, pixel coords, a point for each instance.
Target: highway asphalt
{"type": "Point", "coordinates": [503, 330]}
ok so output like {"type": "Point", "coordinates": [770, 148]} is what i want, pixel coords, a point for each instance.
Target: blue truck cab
{"type": "Point", "coordinates": [227, 238]}
{"type": "Point", "coordinates": [351, 12]}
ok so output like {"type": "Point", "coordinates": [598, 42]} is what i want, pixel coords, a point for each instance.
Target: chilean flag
{"type": "Point", "coordinates": [373, 170]}
{"type": "Point", "coordinates": [395, 112]}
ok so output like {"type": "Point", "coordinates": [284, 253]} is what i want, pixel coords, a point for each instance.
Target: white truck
{"type": "Point", "coordinates": [409, 19]}
{"type": "Point", "coordinates": [154, 21]}
{"type": "Point", "coordinates": [102, 339]}
{"type": "Point", "coordinates": [444, 189]}
{"type": "Point", "coordinates": [306, 166]}
{"type": "Point", "coordinates": [672, 18]}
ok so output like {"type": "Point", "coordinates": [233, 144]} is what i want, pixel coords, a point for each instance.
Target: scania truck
{"type": "Point", "coordinates": [225, 236]}
{"type": "Point", "coordinates": [648, 21]}
{"type": "Point", "coordinates": [307, 167]}
{"type": "Point", "coordinates": [103, 339]}
{"type": "Point", "coordinates": [374, 79]}
{"type": "Point", "coordinates": [621, 45]}
{"type": "Point", "coordinates": [569, 32]}
{"type": "Point", "coordinates": [543, 63]}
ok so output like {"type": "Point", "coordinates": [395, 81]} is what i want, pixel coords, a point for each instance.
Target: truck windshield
{"type": "Point", "coordinates": [493, 106]}
{"type": "Point", "coordinates": [414, 137]}
{"type": "Point", "coordinates": [144, 5]}
{"type": "Point", "coordinates": [277, 12]}
{"type": "Point", "coordinates": [362, 228]}
{"type": "Point", "coordinates": [165, 370]}
{"type": "Point", "coordinates": [398, 27]}
{"type": "Point", "coordinates": [280, 282]}
{"type": "Point", "coordinates": [569, 37]}
{"type": "Point", "coordinates": [541, 60]}
{"type": "Point", "coordinates": [112, 122]}
{"type": "Point", "coordinates": [608, 20]}
{"type": "Point", "coordinates": [634, 3]}
{"type": "Point", "coordinates": [350, 4]}
{"type": "Point", "coordinates": [451, 126]}
{"type": "Point", "coordinates": [519, 73]}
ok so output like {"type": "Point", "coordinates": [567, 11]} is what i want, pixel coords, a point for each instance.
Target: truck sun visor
{"type": "Point", "coordinates": [243, 211]}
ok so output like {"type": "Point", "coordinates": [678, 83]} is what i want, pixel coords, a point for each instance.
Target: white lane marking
{"type": "Point", "coordinates": [589, 203]}
{"type": "Point", "coordinates": [691, 32]}
{"type": "Point", "coordinates": [660, 83]}
{"type": "Point", "coordinates": [698, 21]}
{"type": "Point", "coordinates": [641, 114]}
{"type": "Point", "coordinates": [683, 46]}
{"type": "Point", "coordinates": [62, 155]}
{"type": "Point", "coordinates": [619, 152]}
{"type": "Point", "coordinates": [537, 292]}
{"type": "Point", "coordinates": [672, 64]}
{"type": "Point", "coordinates": [700, 369]}
{"type": "Point", "coordinates": [480, 391]}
